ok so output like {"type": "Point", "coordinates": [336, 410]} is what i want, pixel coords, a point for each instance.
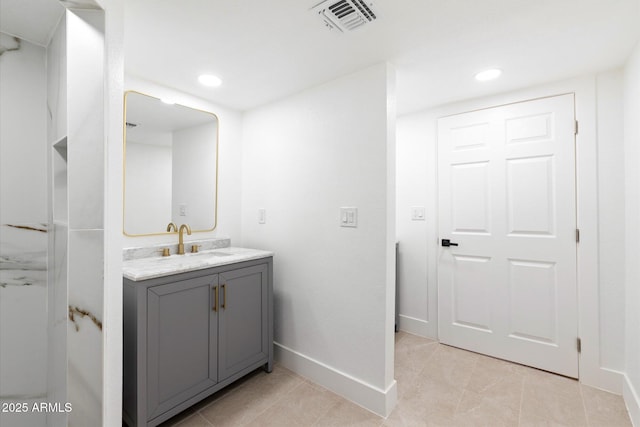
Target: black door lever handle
{"type": "Point", "coordinates": [446, 243]}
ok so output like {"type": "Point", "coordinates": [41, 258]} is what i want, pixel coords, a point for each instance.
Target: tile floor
{"type": "Point", "coordinates": [437, 386]}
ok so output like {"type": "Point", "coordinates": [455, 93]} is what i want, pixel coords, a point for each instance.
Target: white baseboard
{"type": "Point", "coordinates": [602, 378]}
{"type": "Point", "coordinates": [632, 400]}
{"type": "Point", "coordinates": [417, 327]}
{"type": "Point", "coordinates": [378, 401]}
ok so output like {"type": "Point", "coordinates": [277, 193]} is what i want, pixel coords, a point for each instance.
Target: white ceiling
{"type": "Point", "coordinates": [266, 50]}
{"type": "Point", "coordinates": [31, 20]}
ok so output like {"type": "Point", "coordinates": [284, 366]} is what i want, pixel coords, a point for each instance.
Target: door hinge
{"type": "Point", "coordinates": [577, 235]}
{"type": "Point", "coordinates": [579, 345]}
{"type": "Point", "coordinates": [575, 130]}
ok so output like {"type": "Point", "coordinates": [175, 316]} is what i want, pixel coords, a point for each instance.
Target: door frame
{"type": "Point", "coordinates": [590, 370]}
{"type": "Point", "coordinates": [574, 246]}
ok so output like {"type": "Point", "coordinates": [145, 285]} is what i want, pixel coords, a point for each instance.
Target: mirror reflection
{"type": "Point", "coordinates": [170, 173]}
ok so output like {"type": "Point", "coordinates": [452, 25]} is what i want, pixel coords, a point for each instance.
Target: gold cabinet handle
{"type": "Point", "coordinates": [224, 296]}
{"type": "Point", "coordinates": [215, 298]}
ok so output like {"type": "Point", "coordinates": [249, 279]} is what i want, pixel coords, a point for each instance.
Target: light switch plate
{"type": "Point", "coordinates": [417, 213]}
{"type": "Point", "coordinates": [183, 209]}
{"type": "Point", "coordinates": [262, 216]}
{"type": "Point", "coordinates": [348, 217]}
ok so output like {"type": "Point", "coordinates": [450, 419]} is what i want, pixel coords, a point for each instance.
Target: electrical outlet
{"type": "Point", "coordinates": [262, 216]}
{"type": "Point", "coordinates": [183, 209]}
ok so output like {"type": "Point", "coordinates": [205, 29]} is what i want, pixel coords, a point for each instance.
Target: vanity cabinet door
{"type": "Point", "coordinates": [243, 319]}
{"type": "Point", "coordinates": [181, 342]}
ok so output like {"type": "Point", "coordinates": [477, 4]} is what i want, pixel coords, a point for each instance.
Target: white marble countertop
{"type": "Point", "coordinates": [158, 266]}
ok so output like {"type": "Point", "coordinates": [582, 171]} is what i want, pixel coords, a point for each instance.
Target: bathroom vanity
{"type": "Point", "coordinates": [193, 324]}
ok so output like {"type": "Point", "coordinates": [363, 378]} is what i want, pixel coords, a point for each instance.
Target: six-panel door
{"type": "Point", "coordinates": [181, 342]}
{"type": "Point", "coordinates": [506, 179]}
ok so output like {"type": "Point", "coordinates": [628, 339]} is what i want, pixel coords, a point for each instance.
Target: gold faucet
{"type": "Point", "coordinates": [172, 225]}
{"type": "Point", "coordinates": [180, 238]}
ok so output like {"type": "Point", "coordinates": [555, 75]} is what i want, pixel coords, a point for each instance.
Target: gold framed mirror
{"type": "Point", "coordinates": [170, 166]}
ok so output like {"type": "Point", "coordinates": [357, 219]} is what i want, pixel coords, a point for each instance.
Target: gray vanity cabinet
{"type": "Point", "coordinates": [243, 335]}
{"type": "Point", "coordinates": [181, 336]}
{"type": "Point", "coordinates": [188, 335]}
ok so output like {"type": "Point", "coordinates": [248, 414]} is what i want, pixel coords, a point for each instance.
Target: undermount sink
{"type": "Point", "coordinates": [199, 255]}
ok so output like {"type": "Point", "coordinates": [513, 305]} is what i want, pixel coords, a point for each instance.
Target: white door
{"type": "Point", "coordinates": [506, 178]}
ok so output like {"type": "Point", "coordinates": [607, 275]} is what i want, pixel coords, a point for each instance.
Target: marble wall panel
{"type": "Point", "coordinates": [23, 234]}
{"type": "Point", "coordinates": [58, 239]}
{"type": "Point", "coordinates": [57, 83]}
{"type": "Point", "coordinates": [84, 328]}
{"type": "Point", "coordinates": [24, 419]}
{"type": "Point", "coordinates": [23, 319]}
{"type": "Point", "coordinates": [23, 171]}
{"type": "Point", "coordinates": [85, 85]}
{"type": "Point", "coordinates": [58, 312]}
{"type": "Point", "coordinates": [85, 180]}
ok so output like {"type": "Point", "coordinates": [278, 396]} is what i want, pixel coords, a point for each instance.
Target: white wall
{"type": "Point", "coordinates": [600, 214]}
{"type": "Point", "coordinates": [611, 224]}
{"type": "Point", "coordinates": [632, 229]}
{"type": "Point", "coordinates": [416, 187]}
{"type": "Point", "coordinates": [304, 158]}
{"type": "Point", "coordinates": [229, 164]}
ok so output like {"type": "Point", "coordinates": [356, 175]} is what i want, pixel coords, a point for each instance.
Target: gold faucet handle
{"type": "Point", "coordinates": [172, 226]}
{"type": "Point", "coordinates": [165, 252]}
{"type": "Point", "coordinates": [194, 248]}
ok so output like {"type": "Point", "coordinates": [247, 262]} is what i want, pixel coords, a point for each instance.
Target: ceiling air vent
{"type": "Point", "coordinates": [345, 15]}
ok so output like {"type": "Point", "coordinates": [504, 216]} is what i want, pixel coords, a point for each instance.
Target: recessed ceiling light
{"type": "Point", "coordinates": [209, 80]}
{"type": "Point", "coordinates": [486, 75]}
